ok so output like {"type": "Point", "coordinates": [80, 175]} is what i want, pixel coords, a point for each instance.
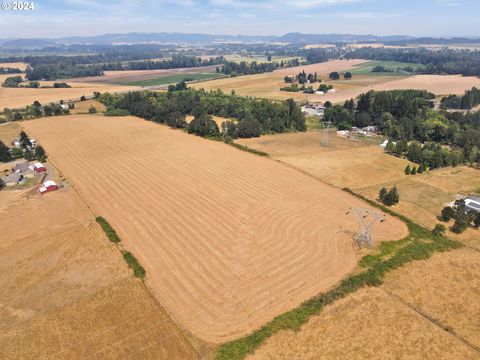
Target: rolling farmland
{"type": "Point", "coordinates": [66, 292]}
{"type": "Point", "coordinates": [229, 240]}
{"type": "Point", "coordinates": [13, 98]}
{"type": "Point", "coordinates": [268, 85]}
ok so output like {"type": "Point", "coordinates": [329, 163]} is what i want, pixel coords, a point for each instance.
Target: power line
{"type": "Point", "coordinates": [366, 219]}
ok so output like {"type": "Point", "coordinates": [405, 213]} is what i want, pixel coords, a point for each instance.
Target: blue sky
{"type": "Point", "coordinates": [380, 17]}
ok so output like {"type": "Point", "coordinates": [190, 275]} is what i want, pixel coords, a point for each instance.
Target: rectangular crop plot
{"type": "Point", "coordinates": [228, 239]}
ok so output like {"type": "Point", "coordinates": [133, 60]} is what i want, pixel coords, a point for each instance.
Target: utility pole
{"type": "Point", "coordinates": [326, 126]}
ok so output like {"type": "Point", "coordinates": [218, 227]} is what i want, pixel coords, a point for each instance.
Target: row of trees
{"type": "Point", "coordinates": [176, 62]}
{"type": "Point", "coordinates": [35, 110]}
{"type": "Point", "coordinates": [444, 61]}
{"type": "Point", "coordinates": [429, 155]}
{"type": "Point", "coordinates": [434, 138]}
{"type": "Point", "coordinates": [249, 68]}
{"type": "Point", "coordinates": [469, 100]}
{"type": "Point", "coordinates": [61, 71]}
{"type": "Point", "coordinates": [462, 217]}
{"type": "Point", "coordinates": [253, 117]}
{"type": "Point", "coordinates": [9, 70]}
{"type": "Point", "coordinates": [335, 75]}
{"type": "Point", "coordinates": [302, 78]}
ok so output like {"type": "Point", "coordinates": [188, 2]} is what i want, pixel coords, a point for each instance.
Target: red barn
{"type": "Point", "coordinates": [48, 186]}
{"type": "Point", "coordinates": [39, 167]}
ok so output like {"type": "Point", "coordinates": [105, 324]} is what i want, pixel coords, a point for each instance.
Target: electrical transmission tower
{"type": "Point", "coordinates": [326, 126]}
{"type": "Point", "coordinates": [366, 219]}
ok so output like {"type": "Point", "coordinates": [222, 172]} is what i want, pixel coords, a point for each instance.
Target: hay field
{"type": "Point", "coordinates": [228, 239]}
{"type": "Point", "coordinates": [268, 85]}
{"type": "Point", "coordinates": [124, 77]}
{"type": "Point", "coordinates": [423, 196]}
{"type": "Point", "coordinates": [344, 163]}
{"type": "Point", "coordinates": [446, 288]}
{"type": "Point", "coordinates": [368, 324]}
{"type": "Point", "coordinates": [9, 131]}
{"type": "Point", "coordinates": [303, 143]}
{"type": "Point", "coordinates": [13, 98]}
{"type": "Point", "coordinates": [15, 65]}
{"type": "Point", "coordinates": [81, 107]}
{"type": "Point", "coordinates": [66, 291]}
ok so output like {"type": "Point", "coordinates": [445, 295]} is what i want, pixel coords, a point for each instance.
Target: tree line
{"type": "Point", "coordinates": [424, 136]}
{"type": "Point", "coordinates": [9, 70]}
{"type": "Point", "coordinates": [467, 101]}
{"type": "Point", "coordinates": [249, 68]}
{"type": "Point", "coordinates": [60, 67]}
{"type": "Point", "coordinates": [443, 61]}
{"type": "Point", "coordinates": [251, 117]}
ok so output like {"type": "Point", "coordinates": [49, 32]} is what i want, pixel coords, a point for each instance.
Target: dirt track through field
{"type": "Point", "coordinates": [229, 239]}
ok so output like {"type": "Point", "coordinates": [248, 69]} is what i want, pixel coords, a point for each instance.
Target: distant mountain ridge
{"type": "Point", "coordinates": [198, 39]}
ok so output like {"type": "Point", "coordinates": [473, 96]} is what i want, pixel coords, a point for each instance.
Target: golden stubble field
{"type": "Point", "coordinates": [403, 319]}
{"type": "Point", "coordinates": [366, 168]}
{"type": "Point", "coordinates": [268, 85]}
{"type": "Point", "coordinates": [343, 163]}
{"type": "Point", "coordinates": [13, 98]}
{"type": "Point", "coordinates": [228, 239]}
{"type": "Point", "coordinates": [66, 292]}
{"type": "Point", "coordinates": [121, 76]}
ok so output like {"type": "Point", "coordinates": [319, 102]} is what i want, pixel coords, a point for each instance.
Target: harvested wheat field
{"type": "Point", "coordinates": [126, 76]}
{"type": "Point", "coordinates": [268, 85]}
{"type": "Point", "coordinates": [66, 291]}
{"type": "Point", "coordinates": [9, 131]}
{"type": "Point", "coordinates": [369, 324]}
{"type": "Point", "coordinates": [228, 239]}
{"type": "Point", "coordinates": [14, 65]}
{"type": "Point", "coordinates": [13, 98]}
{"type": "Point", "coordinates": [303, 143]}
{"type": "Point", "coordinates": [353, 168]}
{"type": "Point", "coordinates": [445, 288]}
{"type": "Point", "coordinates": [82, 107]}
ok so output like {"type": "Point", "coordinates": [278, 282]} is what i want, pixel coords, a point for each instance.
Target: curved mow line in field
{"type": "Point", "coordinates": [228, 240]}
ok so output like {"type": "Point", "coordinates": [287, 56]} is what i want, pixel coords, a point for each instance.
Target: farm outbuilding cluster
{"type": "Point", "coordinates": [313, 109]}
{"type": "Point", "coordinates": [22, 171]}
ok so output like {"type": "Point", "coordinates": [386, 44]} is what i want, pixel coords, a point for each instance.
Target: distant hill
{"type": "Point", "coordinates": [199, 39]}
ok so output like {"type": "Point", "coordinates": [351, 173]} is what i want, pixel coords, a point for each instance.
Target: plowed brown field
{"type": "Point", "coordinates": [228, 239]}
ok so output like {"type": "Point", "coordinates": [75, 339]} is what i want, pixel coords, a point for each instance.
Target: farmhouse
{"type": "Point", "coordinates": [48, 186]}
{"type": "Point", "coordinates": [473, 203]}
{"type": "Point", "coordinates": [12, 179]}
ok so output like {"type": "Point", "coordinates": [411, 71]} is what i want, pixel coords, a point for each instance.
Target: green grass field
{"type": "Point", "coordinates": [172, 79]}
{"type": "Point", "coordinates": [366, 68]}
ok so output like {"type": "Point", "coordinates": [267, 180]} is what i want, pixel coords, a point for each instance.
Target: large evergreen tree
{"type": "Point", "coordinates": [5, 155]}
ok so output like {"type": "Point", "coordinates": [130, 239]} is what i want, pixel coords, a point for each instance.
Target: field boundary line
{"type": "Point", "coordinates": [144, 281]}
{"type": "Point", "coordinates": [445, 327]}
